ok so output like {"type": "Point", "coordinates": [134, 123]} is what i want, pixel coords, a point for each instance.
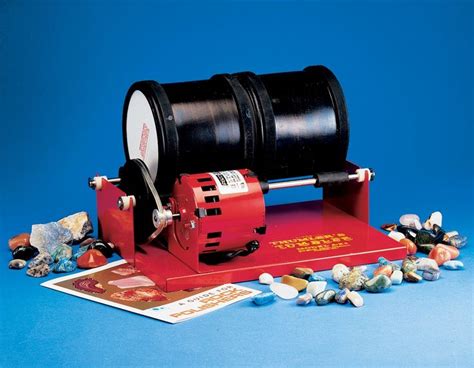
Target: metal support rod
{"type": "Point", "coordinates": [305, 182]}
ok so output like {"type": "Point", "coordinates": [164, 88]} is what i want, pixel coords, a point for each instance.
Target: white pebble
{"type": "Point", "coordinates": [284, 291]}
{"type": "Point", "coordinates": [265, 278]}
{"type": "Point", "coordinates": [395, 235]}
{"type": "Point", "coordinates": [411, 220]}
{"type": "Point", "coordinates": [396, 277]}
{"type": "Point", "coordinates": [315, 287]}
{"type": "Point", "coordinates": [355, 298]}
{"type": "Point", "coordinates": [338, 271]}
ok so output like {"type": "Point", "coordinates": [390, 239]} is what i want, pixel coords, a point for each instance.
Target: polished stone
{"type": "Point", "coordinates": [453, 251]}
{"type": "Point", "coordinates": [91, 259]}
{"type": "Point", "coordinates": [316, 277]}
{"type": "Point", "coordinates": [396, 277]}
{"type": "Point", "coordinates": [341, 296]}
{"type": "Point", "coordinates": [411, 220]}
{"type": "Point", "coordinates": [386, 270]}
{"type": "Point", "coordinates": [17, 264]}
{"type": "Point", "coordinates": [440, 255]}
{"type": "Point", "coordinates": [284, 291]}
{"type": "Point", "coordinates": [17, 240]}
{"type": "Point", "coordinates": [325, 297]}
{"type": "Point", "coordinates": [315, 287]}
{"type": "Point", "coordinates": [431, 274]}
{"type": "Point", "coordinates": [410, 246]}
{"type": "Point", "coordinates": [265, 278]}
{"type": "Point", "coordinates": [24, 252]}
{"type": "Point", "coordinates": [302, 272]}
{"type": "Point", "coordinates": [355, 298]}
{"type": "Point", "coordinates": [423, 264]}
{"type": "Point", "coordinates": [297, 283]}
{"type": "Point", "coordinates": [378, 284]}
{"type": "Point", "coordinates": [412, 277]}
{"type": "Point", "coordinates": [425, 248]}
{"type": "Point", "coordinates": [458, 241]}
{"type": "Point", "coordinates": [264, 298]}
{"type": "Point", "coordinates": [453, 265]}
{"type": "Point", "coordinates": [304, 299]}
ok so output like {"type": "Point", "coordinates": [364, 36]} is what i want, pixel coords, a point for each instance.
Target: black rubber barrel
{"type": "Point", "coordinates": [278, 125]}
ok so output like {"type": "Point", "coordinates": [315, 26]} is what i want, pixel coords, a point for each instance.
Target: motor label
{"type": "Point", "coordinates": [230, 182]}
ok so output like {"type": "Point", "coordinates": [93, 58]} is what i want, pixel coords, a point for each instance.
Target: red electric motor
{"type": "Point", "coordinates": [219, 212]}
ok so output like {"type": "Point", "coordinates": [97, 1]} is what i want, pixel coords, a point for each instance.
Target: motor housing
{"type": "Point", "coordinates": [218, 211]}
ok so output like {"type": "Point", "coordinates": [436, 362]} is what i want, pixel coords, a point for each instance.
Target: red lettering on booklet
{"type": "Point", "coordinates": [144, 140]}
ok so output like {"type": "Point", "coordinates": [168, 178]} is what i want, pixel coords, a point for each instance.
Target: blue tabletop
{"type": "Point", "coordinates": [406, 70]}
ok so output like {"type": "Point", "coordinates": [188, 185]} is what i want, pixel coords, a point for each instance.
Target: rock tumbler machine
{"type": "Point", "coordinates": [188, 208]}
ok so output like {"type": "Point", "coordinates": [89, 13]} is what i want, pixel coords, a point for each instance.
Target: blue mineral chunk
{"type": "Point", "coordinates": [64, 265]}
{"type": "Point", "coordinates": [46, 237]}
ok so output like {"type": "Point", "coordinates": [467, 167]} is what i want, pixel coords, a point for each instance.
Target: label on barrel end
{"type": "Point", "coordinates": [230, 182]}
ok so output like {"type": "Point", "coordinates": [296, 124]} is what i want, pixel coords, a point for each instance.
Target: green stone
{"type": "Point", "coordinates": [378, 284]}
{"type": "Point", "coordinates": [424, 237]}
{"type": "Point", "coordinates": [408, 265]}
{"type": "Point", "coordinates": [61, 251]}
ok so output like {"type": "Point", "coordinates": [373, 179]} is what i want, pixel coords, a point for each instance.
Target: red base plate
{"type": "Point", "coordinates": [311, 234]}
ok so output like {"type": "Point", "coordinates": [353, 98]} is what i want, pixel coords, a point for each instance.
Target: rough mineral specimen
{"type": "Point", "coordinates": [42, 258]}
{"type": "Point", "coordinates": [354, 280]}
{"type": "Point", "coordinates": [17, 240]}
{"type": "Point", "coordinates": [62, 251]}
{"type": "Point", "coordinates": [64, 265]}
{"type": "Point", "coordinates": [38, 271]}
{"type": "Point", "coordinates": [79, 224]}
{"type": "Point", "coordinates": [46, 237]}
{"type": "Point", "coordinates": [338, 271]}
{"type": "Point", "coordinates": [16, 264]}
{"type": "Point", "coordinates": [24, 252]}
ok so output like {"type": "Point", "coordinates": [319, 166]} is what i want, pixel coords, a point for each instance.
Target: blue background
{"type": "Point", "coordinates": [407, 72]}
